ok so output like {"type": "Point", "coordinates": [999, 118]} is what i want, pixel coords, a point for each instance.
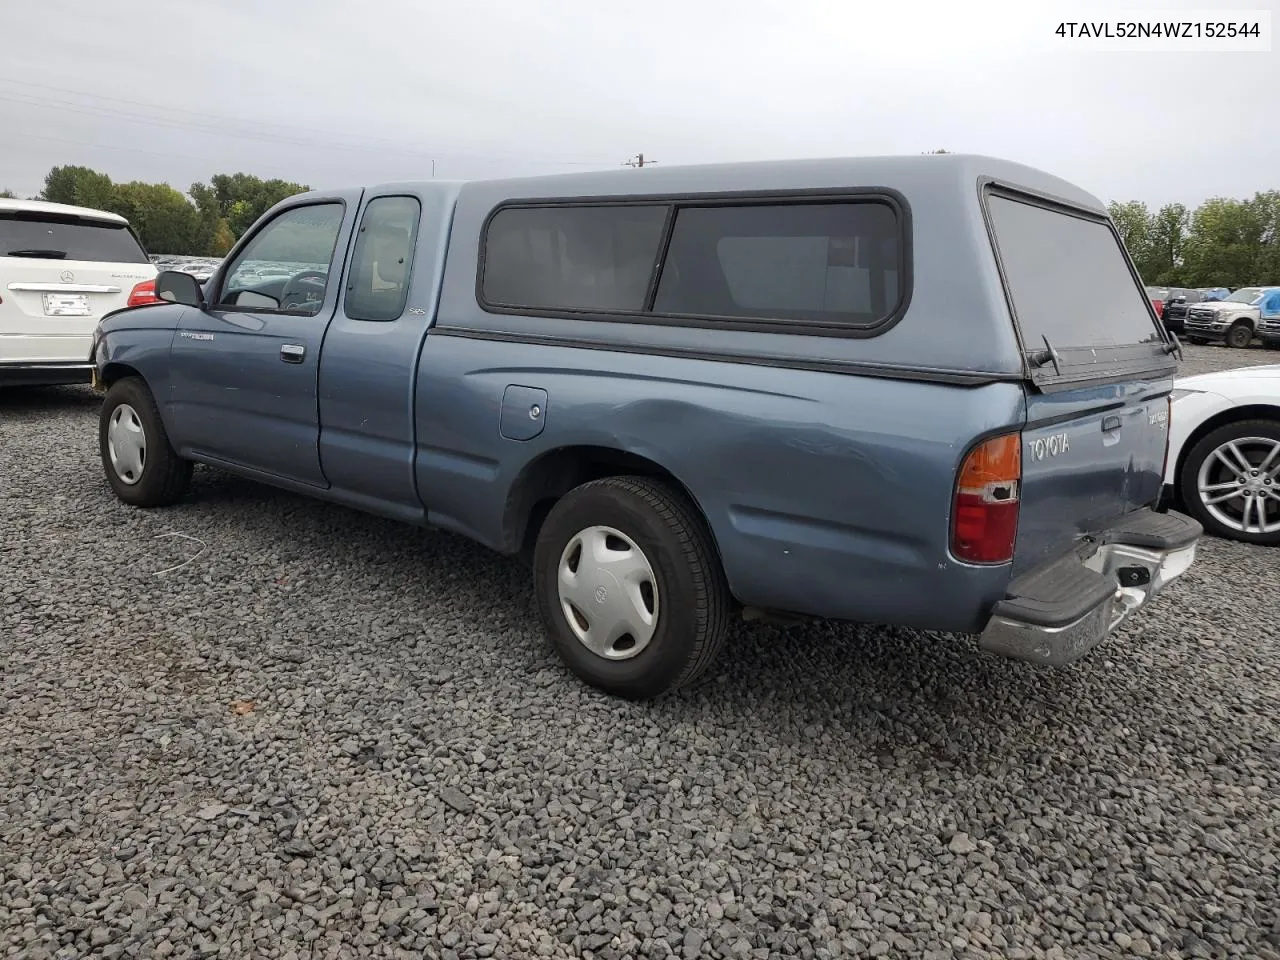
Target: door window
{"type": "Point", "coordinates": [378, 285]}
{"type": "Point", "coordinates": [284, 268]}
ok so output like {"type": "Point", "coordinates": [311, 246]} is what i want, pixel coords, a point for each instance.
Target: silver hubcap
{"type": "Point", "coordinates": [126, 444]}
{"type": "Point", "coordinates": [608, 593]}
{"type": "Point", "coordinates": [1239, 484]}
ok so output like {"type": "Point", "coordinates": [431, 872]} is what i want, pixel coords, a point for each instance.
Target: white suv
{"type": "Point", "coordinates": [61, 269]}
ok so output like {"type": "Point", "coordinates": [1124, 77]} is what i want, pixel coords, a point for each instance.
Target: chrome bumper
{"type": "Point", "coordinates": [1058, 613]}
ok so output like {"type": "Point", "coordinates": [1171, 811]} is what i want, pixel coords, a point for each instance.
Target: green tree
{"type": "Point", "coordinates": [1265, 208]}
{"type": "Point", "coordinates": [8, 195]}
{"type": "Point", "coordinates": [166, 221]}
{"type": "Point", "coordinates": [240, 199]}
{"type": "Point", "coordinates": [79, 186]}
{"type": "Point", "coordinates": [1167, 232]}
{"type": "Point", "coordinates": [223, 240]}
{"type": "Point", "coordinates": [1133, 223]}
{"type": "Point", "coordinates": [1223, 244]}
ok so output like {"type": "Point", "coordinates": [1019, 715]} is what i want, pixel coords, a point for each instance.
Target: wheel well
{"type": "Point", "coordinates": [1254, 411]}
{"type": "Point", "coordinates": [117, 371]}
{"type": "Point", "coordinates": [555, 473]}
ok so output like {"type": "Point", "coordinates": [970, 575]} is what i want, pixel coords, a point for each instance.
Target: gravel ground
{"type": "Point", "coordinates": [309, 733]}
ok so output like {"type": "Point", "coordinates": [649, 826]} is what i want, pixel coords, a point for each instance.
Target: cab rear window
{"type": "Point", "coordinates": [41, 236]}
{"type": "Point", "coordinates": [1048, 258]}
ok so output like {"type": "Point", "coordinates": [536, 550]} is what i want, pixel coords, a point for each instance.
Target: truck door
{"type": "Point", "coordinates": [371, 351]}
{"type": "Point", "coordinates": [245, 370]}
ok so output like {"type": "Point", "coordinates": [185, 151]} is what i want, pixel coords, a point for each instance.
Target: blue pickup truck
{"type": "Point", "coordinates": [832, 388]}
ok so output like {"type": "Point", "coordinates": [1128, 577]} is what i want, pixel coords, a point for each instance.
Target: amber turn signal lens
{"type": "Point", "coordinates": [984, 515]}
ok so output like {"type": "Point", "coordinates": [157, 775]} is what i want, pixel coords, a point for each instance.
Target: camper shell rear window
{"type": "Point", "coordinates": [1047, 254]}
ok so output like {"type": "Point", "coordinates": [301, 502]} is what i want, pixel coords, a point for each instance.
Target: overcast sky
{"type": "Point", "coordinates": [328, 92]}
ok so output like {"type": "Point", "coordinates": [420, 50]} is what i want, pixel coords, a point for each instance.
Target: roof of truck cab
{"type": "Point", "coordinates": [58, 209]}
{"type": "Point", "coordinates": [891, 172]}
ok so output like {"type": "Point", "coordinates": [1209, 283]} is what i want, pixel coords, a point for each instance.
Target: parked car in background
{"type": "Point", "coordinates": [1224, 452]}
{"type": "Point", "coordinates": [1214, 293]}
{"type": "Point", "coordinates": [1157, 296]}
{"type": "Point", "coordinates": [1236, 318]}
{"type": "Point", "coordinates": [61, 269]}
{"type": "Point", "coordinates": [713, 389]}
{"type": "Point", "coordinates": [1177, 300]}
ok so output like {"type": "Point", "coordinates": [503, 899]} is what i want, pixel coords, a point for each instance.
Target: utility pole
{"type": "Point", "coordinates": [638, 161]}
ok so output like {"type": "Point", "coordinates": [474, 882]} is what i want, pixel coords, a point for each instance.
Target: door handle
{"type": "Point", "coordinates": [292, 352]}
{"type": "Point", "coordinates": [1111, 423]}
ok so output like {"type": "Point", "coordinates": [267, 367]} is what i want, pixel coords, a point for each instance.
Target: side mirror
{"type": "Point", "coordinates": [1178, 300]}
{"type": "Point", "coordinates": [173, 286]}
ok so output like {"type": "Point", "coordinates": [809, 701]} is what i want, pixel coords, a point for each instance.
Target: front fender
{"type": "Point", "coordinates": [137, 342]}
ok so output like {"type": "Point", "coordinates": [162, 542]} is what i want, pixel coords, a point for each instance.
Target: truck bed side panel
{"type": "Point", "coordinates": [826, 493]}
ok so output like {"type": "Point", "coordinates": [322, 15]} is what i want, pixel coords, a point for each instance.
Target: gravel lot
{"type": "Point", "coordinates": [418, 777]}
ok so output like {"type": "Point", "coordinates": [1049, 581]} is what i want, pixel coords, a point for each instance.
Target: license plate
{"type": "Point", "coordinates": [66, 305]}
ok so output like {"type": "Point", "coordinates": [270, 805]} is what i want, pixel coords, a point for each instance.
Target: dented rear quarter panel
{"type": "Point", "coordinates": [827, 494]}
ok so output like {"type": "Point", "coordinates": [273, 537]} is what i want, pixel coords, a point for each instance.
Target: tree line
{"type": "Point", "coordinates": [204, 222]}
{"type": "Point", "coordinates": [1223, 242]}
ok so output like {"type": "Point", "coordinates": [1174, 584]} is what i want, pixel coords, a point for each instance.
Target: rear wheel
{"type": "Point", "coordinates": [140, 465]}
{"type": "Point", "coordinates": [1230, 481]}
{"type": "Point", "coordinates": [630, 588]}
{"type": "Point", "coordinates": [1240, 335]}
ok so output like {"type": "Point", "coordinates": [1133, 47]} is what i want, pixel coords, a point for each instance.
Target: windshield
{"type": "Point", "coordinates": [45, 237]}
{"type": "Point", "coordinates": [1247, 295]}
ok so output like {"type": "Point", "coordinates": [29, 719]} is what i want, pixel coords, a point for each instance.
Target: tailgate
{"type": "Point", "coordinates": [48, 309]}
{"type": "Point", "coordinates": [1088, 457]}
{"type": "Point", "coordinates": [60, 272]}
{"type": "Point", "coordinates": [41, 294]}
{"type": "Point", "coordinates": [1099, 373]}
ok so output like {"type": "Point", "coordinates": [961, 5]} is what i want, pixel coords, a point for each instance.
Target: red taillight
{"type": "Point", "coordinates": [143, 294]}
{"type": "Point", "coordinates": [984, 516]}
{"type": "Point", "coordinates": [1159, 306]}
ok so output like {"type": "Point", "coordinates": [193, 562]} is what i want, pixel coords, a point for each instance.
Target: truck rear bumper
{"type": "Point", "coordinates": [1057, 613]}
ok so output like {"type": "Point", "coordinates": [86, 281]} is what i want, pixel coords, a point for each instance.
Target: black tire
{"type": "Point", "coordinates": [1240, 335]}
{"type": "Point", "coordinates": [1198, 341]}
{"type": "Point", "coordinates": [1189, 490]}
{"type": "Point", "coordinates": [164, 477]}
{"type": "Point", "coordinates": [693, 601]}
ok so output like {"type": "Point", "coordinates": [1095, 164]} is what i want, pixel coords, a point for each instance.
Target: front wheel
{"type": "Point", "coordinates": [1230, 482]}
{"type": "Point", "coordinates": [141, 466]}
{"type": "Point", "coordinates": [1240, 335]}
{"type": "Point", "coordinates": [630, 588]}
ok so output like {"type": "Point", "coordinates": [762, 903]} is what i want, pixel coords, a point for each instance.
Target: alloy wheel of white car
{"type": "Point", "coordinates": [1230, 481]}
{"type": "Point", "coordinates": [1239, 484]}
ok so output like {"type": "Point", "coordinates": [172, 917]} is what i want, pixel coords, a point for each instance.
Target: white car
{"type": "Point", "coordinates": [1224, 452]}
{"type": "Point", "coordinates": [61, 269]}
